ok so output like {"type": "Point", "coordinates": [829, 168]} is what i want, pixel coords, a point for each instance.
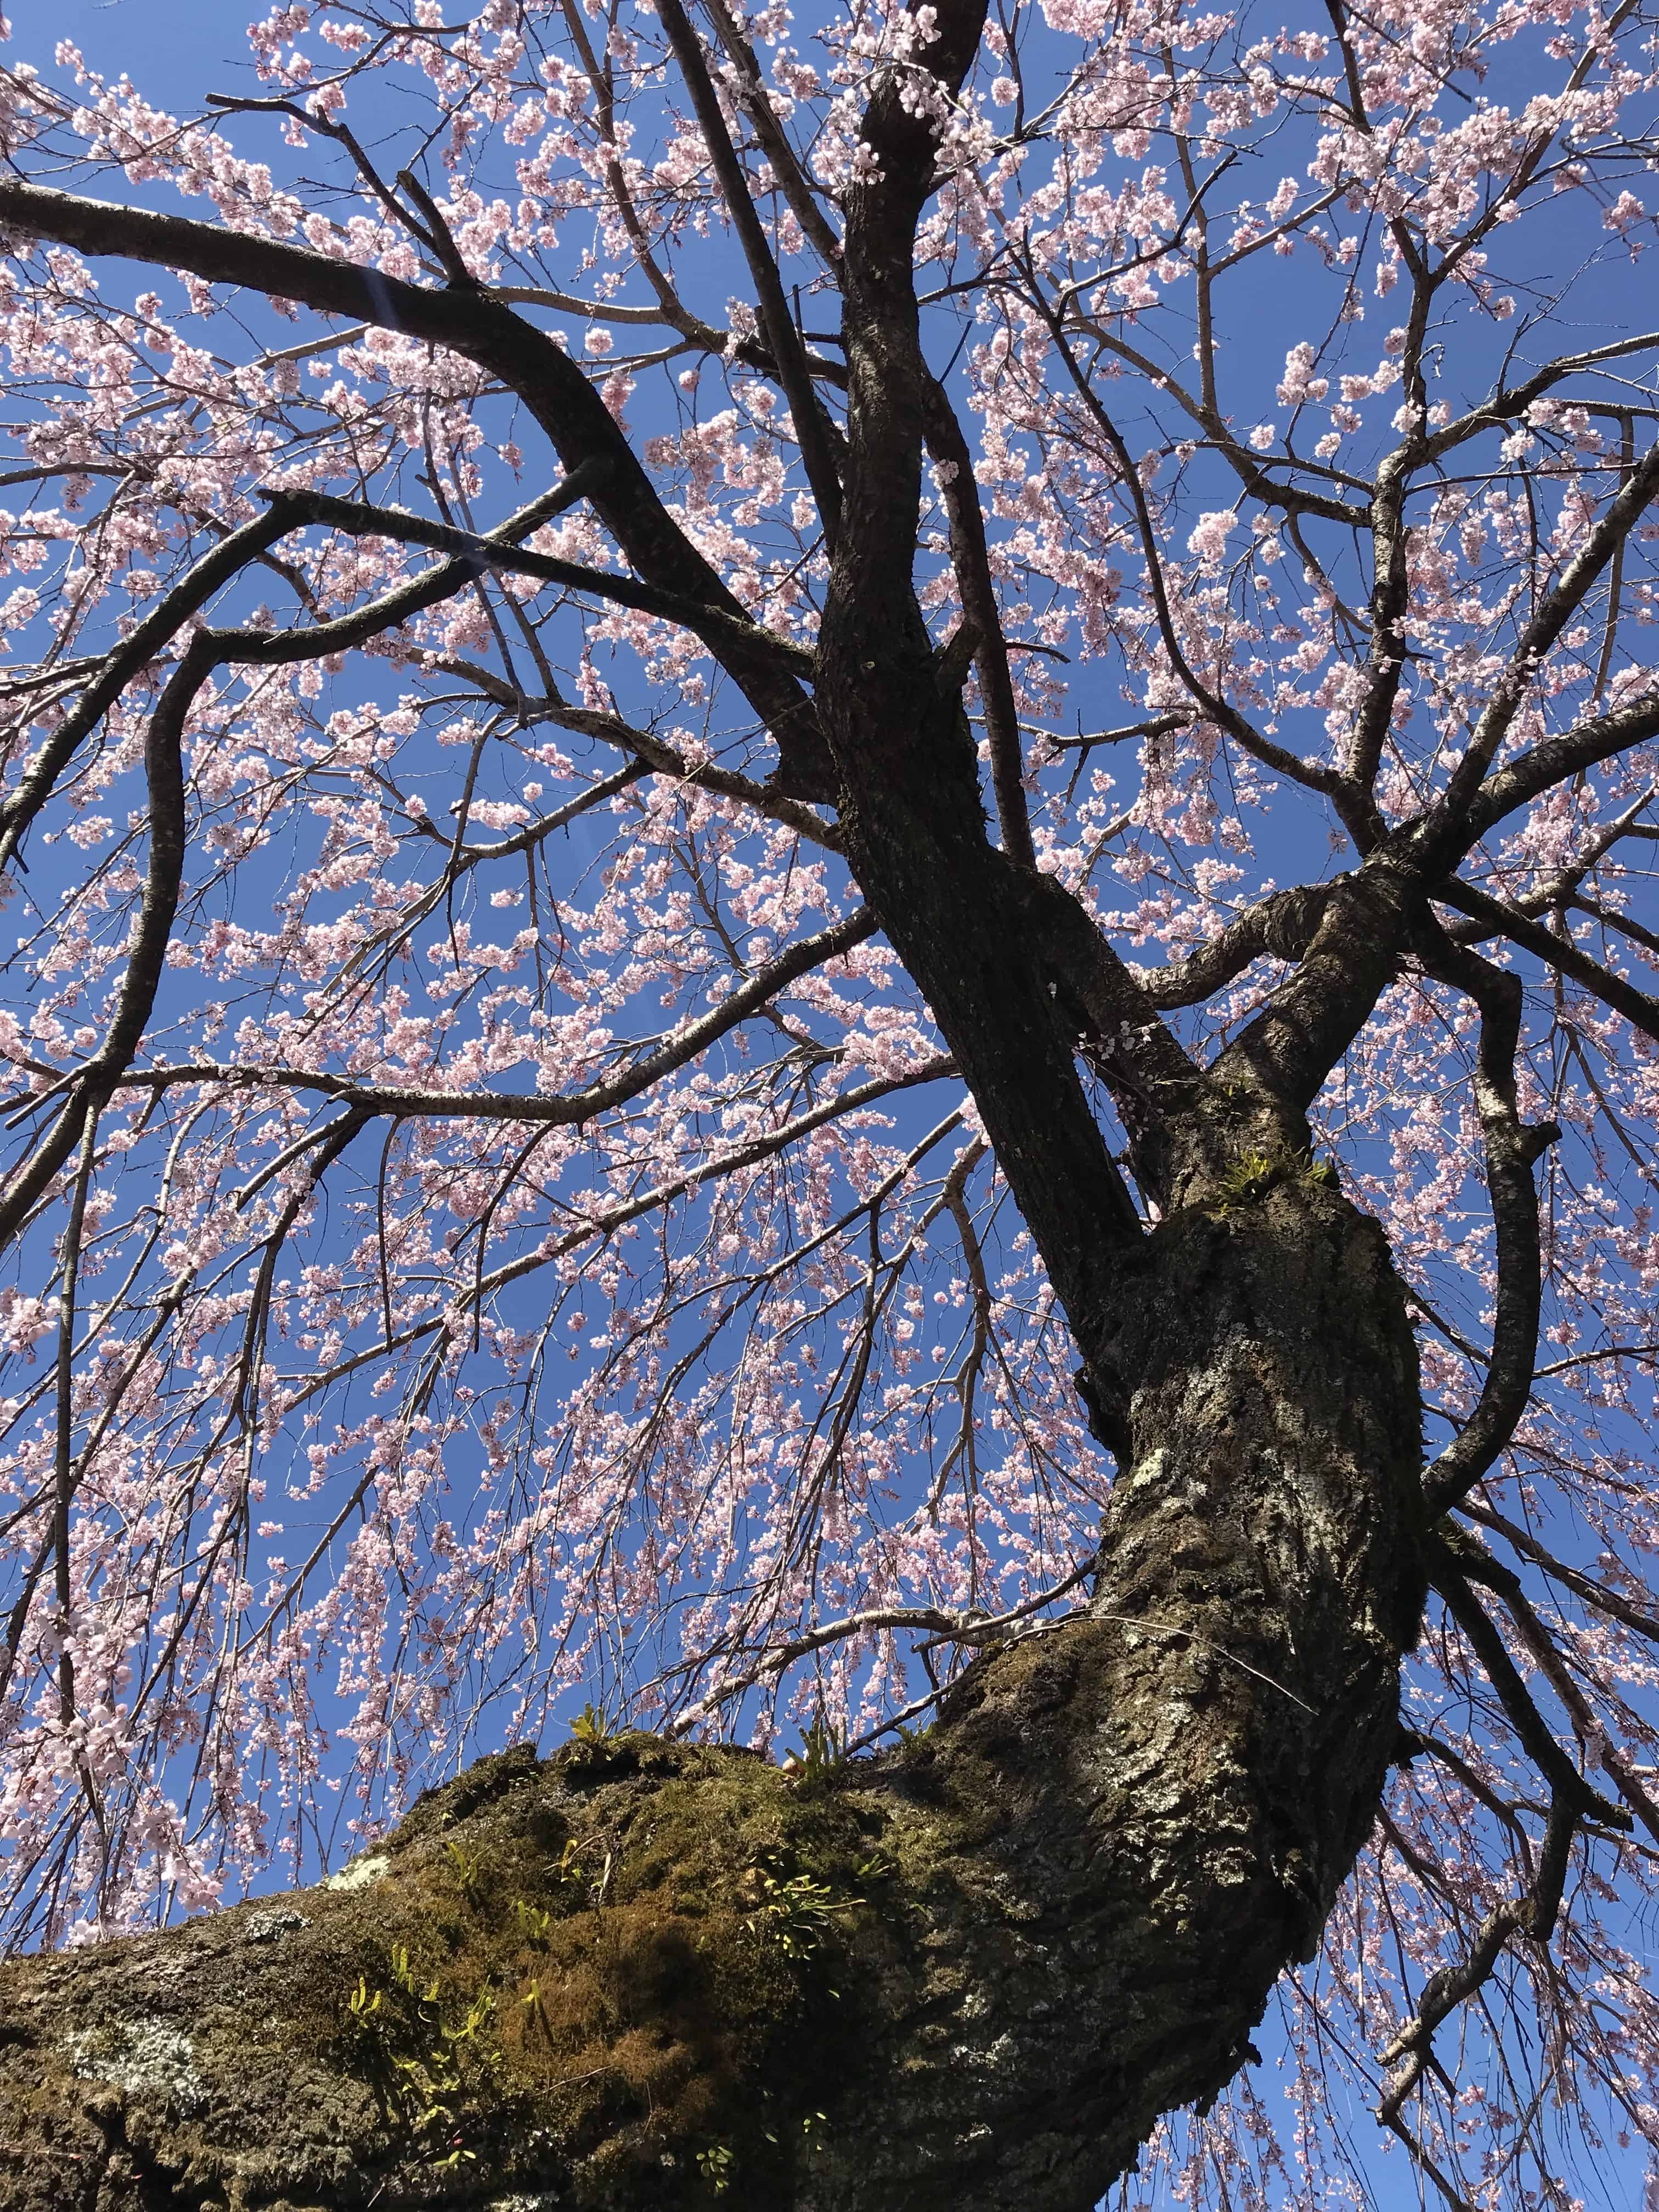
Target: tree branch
{"type": "Point", "coordinates": [19, 808]}
{"type": "Point", "coordinates": [526, 360]}
{"type": "Point", "coordinates": [812, 427]}
{"type": "Point", "coordinates": [714, 624]}
{"type": "Point", "coordinates": [1533, 1914]}
{"type": "Point", "coordinates": [93, 1083]}
{"type": "Point", "coordinates": [650, 751]}
{"type": "Point", "coordinates": [1552, 761]}
{"type": "Point", "coordinates": [1566, 1784]}
{"type": "Point", "coordinates": [683, 1044]}
{"type": "Point", "coordinates": [1511, 1149]}
{"type": "Point", "coordinates": [757, 104]}
{"type": "Point", "coordinates": [1502, 918]}
{"type": "Point", "coordinates": [977, 589]}
{"type": "Point", "coordinates": [1282, 925]}
{"type": "Point", "coordinates": [1477, 1563]}
{"type": "Point", "coordinates": [1553, 613]}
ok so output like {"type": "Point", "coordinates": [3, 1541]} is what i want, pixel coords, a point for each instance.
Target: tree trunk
{"type": "Point", "coordinates": [970, 1973]}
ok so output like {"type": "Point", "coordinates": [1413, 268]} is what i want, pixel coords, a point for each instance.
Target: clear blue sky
{"type": "Point", "coordinates": [178, 50]}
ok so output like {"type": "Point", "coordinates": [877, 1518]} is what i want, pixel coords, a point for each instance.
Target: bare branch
{"type": "Point", "coordinates": [1281, 926]}
{"type": "Point", "coordinates": [1568, 1788]}
{"type": "Point", "coordinates": [1477, 1563]}
{"type": "Point", "coordinates": [1594, 1593]}
{"type": "Point", "coordinates": [1533, 1914]}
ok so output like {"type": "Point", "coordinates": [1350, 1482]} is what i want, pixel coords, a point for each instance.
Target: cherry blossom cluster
{"type": "Point", "coordinates": [539, 1247]}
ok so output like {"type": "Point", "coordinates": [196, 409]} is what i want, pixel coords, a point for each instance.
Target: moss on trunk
{"type": "Point", "coordinates": [970, 1973]}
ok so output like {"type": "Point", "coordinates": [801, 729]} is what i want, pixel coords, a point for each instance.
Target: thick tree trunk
{"type": "Point", "coordinates": [968, 1974]}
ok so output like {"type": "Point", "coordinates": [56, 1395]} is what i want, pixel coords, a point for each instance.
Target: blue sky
{"type": "Point", "coordinates": [178, 50]}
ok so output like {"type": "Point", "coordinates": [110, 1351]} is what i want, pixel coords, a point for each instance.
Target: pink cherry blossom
{"type": "Point", "coordinates": [531, 1242]}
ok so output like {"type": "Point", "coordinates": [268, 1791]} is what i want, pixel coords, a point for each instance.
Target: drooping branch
{"type": "Point", "coordinates": [574, 1108]}
{"type": "Point", "coordinates": [1593, 1592]}
{"type": "Point", "coordinates": [1508, 403]}
{"type": "Point", "coordinates": [973, 1629]}
{"type": "Point", "coordinates": [1312, 775]}
{"type": "Point", "coordinates": [1512, 1148]}
{"type": "Point", "coordinates": [1567, 1786]}
{"type": "Point", "coordinates": [1625, 925]}
{"type": "Point", "coordinates": [1251, 469]}
{"type": "Point", "coordinates": [1561, 888]}
{"type": "Point", "coordinates": [93, 1083]}
{"type": "Point", "coordinates": [227, 560]}
{"type": "Point", "coordinates": [1446, 820]}
{"type": "Point", "coordinates": [1534, 1914]}
{"type": "Point", "coordinates": [626, 1905]}
{"type": "Point", "coordinates": [20, 807]}
{"type": "Point", "coordinates": [1154, 725]}
{"type": "Point", "coordinates": [1476, 1564]}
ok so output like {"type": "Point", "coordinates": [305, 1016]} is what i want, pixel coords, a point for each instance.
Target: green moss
{"type": "Point", "coordinates": [563, 1979]}
{"type": "Point", "coordinates": [634, 1955]}
{"type": "Point", "coordinates": [1253, 1174]}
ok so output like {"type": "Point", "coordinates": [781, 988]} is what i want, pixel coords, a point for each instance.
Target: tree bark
{"type": "Point", "coordinates": [970, 1973]}
{"type": "Point", "coordinates": [967, 1974]}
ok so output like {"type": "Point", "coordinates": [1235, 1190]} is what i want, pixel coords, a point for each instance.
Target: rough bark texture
{"type": "Point", "coordinates": [987, 1959]}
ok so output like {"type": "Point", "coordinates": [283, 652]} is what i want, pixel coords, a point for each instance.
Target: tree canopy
{"type": "Point", "coordinates": [711, 718]}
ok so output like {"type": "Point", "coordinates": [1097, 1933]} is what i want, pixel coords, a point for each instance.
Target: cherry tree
{"type": "Point", "coordinates": [829, 838]}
